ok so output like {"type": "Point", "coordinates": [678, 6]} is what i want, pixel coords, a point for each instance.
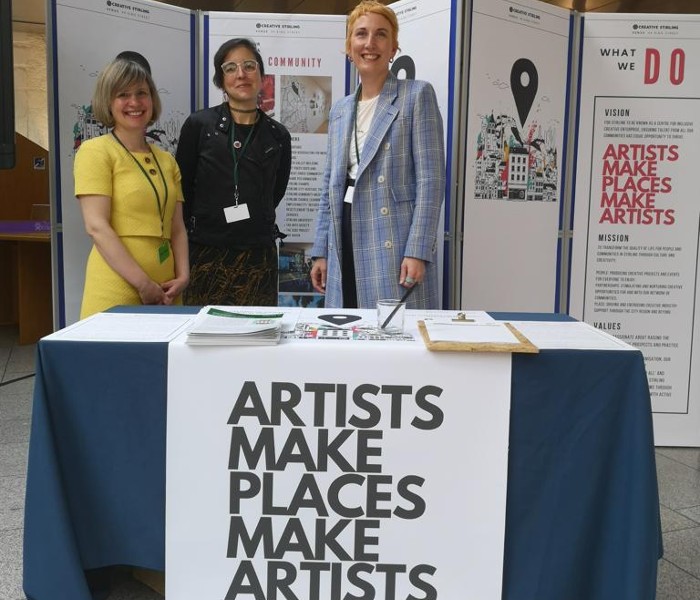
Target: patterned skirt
{"type": "Point", "coordinates": [232, 277]}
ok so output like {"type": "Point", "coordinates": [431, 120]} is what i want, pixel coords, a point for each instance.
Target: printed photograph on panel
{"type": "Point", "coordinates": [306, 102]}
{"type": "Point", "coordinates": [266, 97]}
{"type": "Point", "coordinates": [294, 269]}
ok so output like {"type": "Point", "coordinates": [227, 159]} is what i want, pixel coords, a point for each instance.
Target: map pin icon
{"type": "Point", "coordinates": [523, 84]}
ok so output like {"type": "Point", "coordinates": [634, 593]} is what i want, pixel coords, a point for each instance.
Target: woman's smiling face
{"type": "Point", "coordinates": [132, 108]}
{"type": "Point", "coordinates": [371, 44]}
{"type": "Point", "coordinates": [242, 87]}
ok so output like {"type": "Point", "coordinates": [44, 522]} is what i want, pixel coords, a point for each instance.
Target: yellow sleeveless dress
{"type": "Point", "coordinates": [103, 167]}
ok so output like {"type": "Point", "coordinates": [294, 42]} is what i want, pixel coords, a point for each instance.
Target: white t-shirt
{"type": "Point", "coordinates": [365, 114]}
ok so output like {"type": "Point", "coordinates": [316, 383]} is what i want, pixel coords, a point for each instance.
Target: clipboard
{"type": "Point", "coordinates": [524, 345]}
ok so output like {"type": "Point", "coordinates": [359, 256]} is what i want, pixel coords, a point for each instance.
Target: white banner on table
{"type": "Point", "coordinates": [518, 74]}
{"type": "Point", "coordinates": [87, 36]}
{"type": "Point", "coordinates": [318, 469]}
{"type": "Point", "coordinates": [304, 74]}
{"type": "Point", "coordinates": [635, 252]}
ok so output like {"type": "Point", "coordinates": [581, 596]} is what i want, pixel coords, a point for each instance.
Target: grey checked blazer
{"type": "Point", "coordinates": [399, 190]}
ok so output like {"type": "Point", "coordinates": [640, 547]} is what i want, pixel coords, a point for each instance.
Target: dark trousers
{"type": "Point", "coordinates": [348, 267]}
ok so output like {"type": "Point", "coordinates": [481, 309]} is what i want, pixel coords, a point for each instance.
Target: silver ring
{"type": "Point", "coordinates": [409, 280]}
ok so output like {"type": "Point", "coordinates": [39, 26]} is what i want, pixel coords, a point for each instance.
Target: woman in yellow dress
{"type": "Point", "coordinates": [131, 199]}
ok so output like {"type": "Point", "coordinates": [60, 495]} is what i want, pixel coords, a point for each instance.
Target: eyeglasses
{"type": "Point", "coordinates": [248, 66]}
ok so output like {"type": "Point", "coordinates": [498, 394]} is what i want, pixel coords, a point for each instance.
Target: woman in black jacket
{"type": "Point", "coordinates": [235, 163]}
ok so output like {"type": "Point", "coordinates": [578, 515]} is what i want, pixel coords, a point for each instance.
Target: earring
{"type": "Point", "coordinates": [225, 97]}
{"type": "Point", "coordinates": [391, 60]}
{"type": "Point", "coordinates": [349, 58]}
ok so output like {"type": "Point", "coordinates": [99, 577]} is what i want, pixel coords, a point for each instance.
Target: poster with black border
{"type": "Point", "coordinates": [519, 70]}
{"type": "Point", "coordinates": [86, 35]}
{"type": "Point", "coordinates": [636, 215]}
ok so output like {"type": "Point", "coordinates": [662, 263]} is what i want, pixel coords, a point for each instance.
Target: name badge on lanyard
{"type": "Point", "coordinates": [349, 193]}
{"type": "Point", "coordinates": [237, 212]}
{"type": "Point", "coordinates": [163, 251]}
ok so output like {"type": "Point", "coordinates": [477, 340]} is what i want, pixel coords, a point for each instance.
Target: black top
{"type": "Point", "coordinates": [207, 166]}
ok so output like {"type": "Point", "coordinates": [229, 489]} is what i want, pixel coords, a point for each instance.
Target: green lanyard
{"type": "Point", "coordinates": [161, 209]}
{"type": "Point", "coordinates": [236, 157]}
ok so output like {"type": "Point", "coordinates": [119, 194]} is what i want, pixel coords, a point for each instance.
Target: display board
{"type": "Point", "coordinates": [431, 24]}
{"type": "Point", "coordinates": [328, 482]}
{"type": "Point", "coordinates": [85, 37]}
{"type": "Point", "coordinates": [519, 72]}
{"type": "Point", "coordinates": [636, 215]}
{"type": "Point", "coordinates": [420, 24]}
{"type": "Point", "coordinates": [304, 74]}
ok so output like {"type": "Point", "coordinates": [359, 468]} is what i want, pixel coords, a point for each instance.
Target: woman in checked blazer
{"type": "Point", "coordinates": [384, 181]}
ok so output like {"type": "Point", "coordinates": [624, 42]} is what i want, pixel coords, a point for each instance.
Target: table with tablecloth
{"type": "Point", "coordinates": [582, 513]}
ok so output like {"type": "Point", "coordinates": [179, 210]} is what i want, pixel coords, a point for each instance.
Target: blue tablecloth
{"type": "Point", "coordinates": [582, 517]}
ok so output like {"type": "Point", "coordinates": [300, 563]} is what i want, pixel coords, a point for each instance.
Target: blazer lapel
{"type": "Point", "coordinates": [346, 128]}
{"type": "Point", "coordinates": [340, 134]}
{"type": "Point", "coordinates": [384, 116]}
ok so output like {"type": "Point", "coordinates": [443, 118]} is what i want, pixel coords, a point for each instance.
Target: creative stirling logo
{"type": "Point", "coordinates": [523, 15]}
{"type": "Point", "coordinates": [286, 28]}
{"type": "Point", "coordinates": [655, 29]}
{"type": "Point", "coordinates": [128, 9]}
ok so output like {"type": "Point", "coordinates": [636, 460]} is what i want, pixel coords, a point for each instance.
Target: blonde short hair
{"type": "Point", "coordinates": [115, 77]}
{"type": "Point", "coordinates": [372, 6]}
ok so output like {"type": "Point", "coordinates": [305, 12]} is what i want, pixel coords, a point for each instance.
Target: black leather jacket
{"type": "Point", "coordinates": [206, 164]}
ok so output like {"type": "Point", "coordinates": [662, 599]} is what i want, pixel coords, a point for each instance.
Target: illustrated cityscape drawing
{"type": "Point", "coordinates": [164, 132]}
{"type": "Point", "coordinates": [510, 166]}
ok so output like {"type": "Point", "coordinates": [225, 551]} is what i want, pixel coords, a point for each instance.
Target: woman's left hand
{"type": "Point", "coordinates": [174, 288]}
{"type": "Point", "coordinates": [412, 271]}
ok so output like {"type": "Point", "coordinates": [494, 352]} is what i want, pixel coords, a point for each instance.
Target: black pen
{"type": "Point", "coordinates": [405, 296]}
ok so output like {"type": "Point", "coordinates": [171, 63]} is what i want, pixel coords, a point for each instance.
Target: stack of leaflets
{"type": "Point", "coordinates": [216, 326]}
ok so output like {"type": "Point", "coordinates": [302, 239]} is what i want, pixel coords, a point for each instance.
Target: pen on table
{"type": "Point", "coordinates": [405, 296]}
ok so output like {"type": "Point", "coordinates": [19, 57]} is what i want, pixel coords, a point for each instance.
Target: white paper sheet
{"type": "Point", "coordinates": [289, 319]}
{"type": "Point", "coordinates": [124, 327]}
{"type": "Point", "coordinates": [445, 330]}
{"type": "Point", "coordinates": [553, 335]}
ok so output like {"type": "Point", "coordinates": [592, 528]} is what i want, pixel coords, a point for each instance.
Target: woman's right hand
{"type": "Point", "coordinates": [96, 214]}
{"type": "Point", "coordinates": [318, 275]}
{"type": "Point", "coordinates": [151, 293]}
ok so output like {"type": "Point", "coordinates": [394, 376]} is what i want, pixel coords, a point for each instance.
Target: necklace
{"type": "Point", "coordinates": [243, 110]}
{"type": "Point", "coordinates": [236, 143]}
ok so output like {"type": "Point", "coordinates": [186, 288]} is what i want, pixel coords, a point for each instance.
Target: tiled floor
{"type": "Point", "coordinates": [678, 471]}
